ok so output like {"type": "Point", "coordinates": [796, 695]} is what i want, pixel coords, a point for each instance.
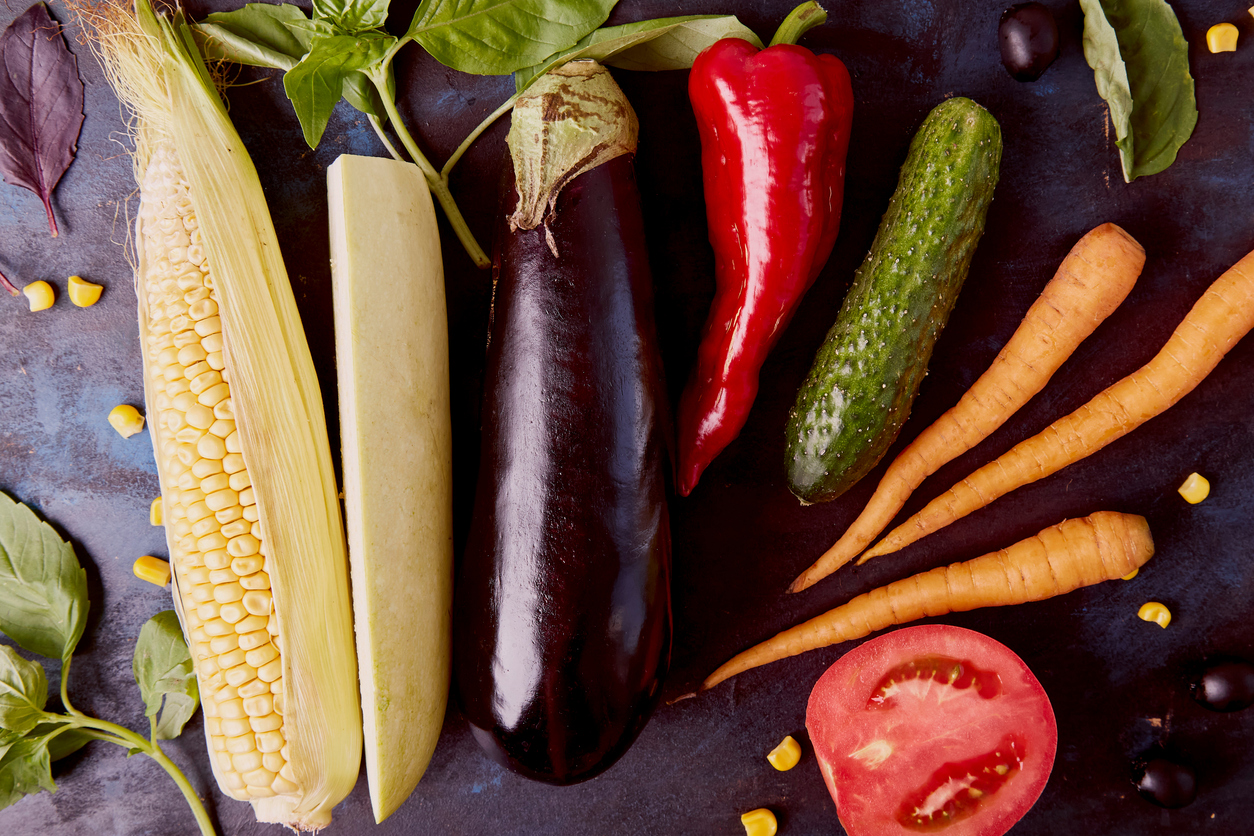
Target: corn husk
{"type": "Point", "coordinates": [153, 64]}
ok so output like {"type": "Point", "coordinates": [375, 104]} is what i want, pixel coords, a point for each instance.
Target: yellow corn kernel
{"type": "Point", "coordinates": [152, 569]}
{"type": "Point", "coordinates": [83, 293]}
{"type": "Point", "coordinates": [126, 420]}
{"type": "Point", "coordinates": [759, 822]}
{"type": "Point", "coordinates": [786, 755]}
{"type": "Point", "coordinates": [39, 294]}
{"type": "Point", "coordinates": [1222, 37]}
{"type": "Point", "coordinates": [1154, 612]}
{"type": "Point", "coordinates": [155, 513]}
{"type": "Point", "coordinates": [1131, 574]}
{"type": "Point", "coordinates": [1195, 488]}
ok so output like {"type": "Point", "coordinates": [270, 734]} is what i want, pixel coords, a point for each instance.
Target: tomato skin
{"type": "Point", "coordinates": [883, 741]}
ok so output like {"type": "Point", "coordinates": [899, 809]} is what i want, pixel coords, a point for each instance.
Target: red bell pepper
{"type": "Point", "coordinates": [774, 126]}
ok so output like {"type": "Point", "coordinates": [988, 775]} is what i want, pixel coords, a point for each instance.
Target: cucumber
{"type": "Point", "coordinates": [865, 376]}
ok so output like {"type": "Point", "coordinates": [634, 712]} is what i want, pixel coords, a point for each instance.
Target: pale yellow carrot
{"type": "Point", "coordinates": [1091, 282]}
{"type": "Point", "coordinates": [1075, 553]}
{"type": "Point", "coordinates": [1223, 315]}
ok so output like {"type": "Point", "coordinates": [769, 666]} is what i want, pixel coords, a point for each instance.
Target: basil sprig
{"type": "Point", "coordinates": [1140, 62]}
{"type": "Point", "coordinates": [343, 51]}
{"type": "Point", "coordinates": [43, 609]}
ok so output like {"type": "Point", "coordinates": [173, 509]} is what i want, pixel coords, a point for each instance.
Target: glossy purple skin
{"type": "Point", "coordinates": [562, 628]}
{"type": "Point", "coordinates": [1029, 40]}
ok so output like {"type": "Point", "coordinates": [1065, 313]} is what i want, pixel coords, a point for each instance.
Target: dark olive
{"type": "Point", "coordinates": [1166, 783]}
{"type": "Point", "coordinates": [1029, 40]}
{"type": "Point", "coordinates": [1225, 685]}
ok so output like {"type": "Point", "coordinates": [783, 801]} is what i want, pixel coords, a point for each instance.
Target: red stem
{"type": "Point", "coordinates": [9, 286]}
{"type": "Point", "coordinates": [52, 221]}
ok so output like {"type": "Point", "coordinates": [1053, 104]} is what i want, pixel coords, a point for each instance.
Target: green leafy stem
{"type": "Point", "coordinates": [43, 609]}
{"type": "Point", "coordinates": [92, 728]}
{"type": "Point", "coordinates": [343, 51]}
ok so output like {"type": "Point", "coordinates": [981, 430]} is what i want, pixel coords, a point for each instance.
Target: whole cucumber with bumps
{"type": "Point", "coordinates": [865, 376]}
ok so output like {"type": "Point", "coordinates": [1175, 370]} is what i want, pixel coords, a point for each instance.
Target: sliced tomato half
{"type": "Point", "coordinates": [932, 729]}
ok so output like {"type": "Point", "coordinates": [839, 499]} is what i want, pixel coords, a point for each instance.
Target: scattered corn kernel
{"type": "Point", "coordinates": [786, 755]}
{"type": "Point", "coordinates": [1195, 488]}
{"type": "Point", "coordinates": [156, 513]}
{"type": "Point", "coordinates": [83, 293]}
{"type": "Point", "coordinates": [759, 822]}
{"type": "Point", "coordinates": [1155, 612]}
{"type": "Point", "coordinates": [152, 569]}
{"type": "Point", "coordinates": [1131, 574]}
{"type": "Point", "coordinates": [39, 294]}
{"type": "Point", "coordinates": [126, 420]}
{"type": "Point", "coordinates": [1222, 37]}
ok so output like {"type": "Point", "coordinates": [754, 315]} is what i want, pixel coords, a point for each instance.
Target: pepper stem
{"type": "Point", "coordinates": [799, 21]}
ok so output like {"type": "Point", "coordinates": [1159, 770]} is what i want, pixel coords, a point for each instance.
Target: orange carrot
{"type": "Point", "coordinates": [1075, 553]}
{"type": "Point", "coordinates": [1090, 283]}
{"type": "Point", "coordinates": [1223, 315]}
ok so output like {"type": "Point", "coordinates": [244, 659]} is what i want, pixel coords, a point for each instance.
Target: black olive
{"type": "Point", "coordinates": [1225, 685]}
{"type": "Point", "coordinates": [1029, 40]}
{"type": "Point", "coordinates": [1166, 783]}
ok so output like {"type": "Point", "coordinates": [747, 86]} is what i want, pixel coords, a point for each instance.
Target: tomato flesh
{"type": "Point", "coordinates": [932, 729]}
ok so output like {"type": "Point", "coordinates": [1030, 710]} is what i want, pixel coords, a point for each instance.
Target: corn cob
{"type": "Point", "coordinates": [248, 491]}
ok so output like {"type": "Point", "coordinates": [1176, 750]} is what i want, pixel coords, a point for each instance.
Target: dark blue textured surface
{"type": "Point", "coordinates": [1118, 684]}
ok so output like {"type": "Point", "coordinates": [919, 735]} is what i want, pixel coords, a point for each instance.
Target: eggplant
{"type": "Point", "coordinates": [562, 616]}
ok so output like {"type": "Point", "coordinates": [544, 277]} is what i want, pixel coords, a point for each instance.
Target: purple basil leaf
{"type": "Point", "coordinates": [41, 105]}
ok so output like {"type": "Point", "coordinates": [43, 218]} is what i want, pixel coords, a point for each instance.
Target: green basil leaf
{"type": "Point", "coordinates": [260, 35]}
{"type": "Point", "coordinates": [163, 670]}
{"type": "Point", "coordinates": [497, 37]}
{"type": "Point", "coordinates": [1140, 62]}
{"type": "Point", "coordinates": [676, 48]}
{"type": "Point", "coordinates": [23, 692]}
{"type": "Point", "coordinates": [316, 83]}
{"type": "Point", "coordinates": [25, 769]}
{"type": "Point", "coordinates": [360, 92]}
{"type": "Point", "coordinates": [64, 743]}
{"type": "Point", "coordinates": [43, 589]}
{"type": "Point", "coordinates": [667, 43]}
{"type": "Point", "coordinates": [352, 16]}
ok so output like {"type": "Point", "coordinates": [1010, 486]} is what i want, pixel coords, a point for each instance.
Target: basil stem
{"type": "Point", "coordinates": [437, 182]}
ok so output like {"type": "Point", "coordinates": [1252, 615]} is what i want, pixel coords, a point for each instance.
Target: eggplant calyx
{"type": "Point", "coordinates": [573, 119]}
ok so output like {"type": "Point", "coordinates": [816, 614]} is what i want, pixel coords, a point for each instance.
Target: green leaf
{"type": "Point", "coordinates": [317, 82]}
{"type": "Point", "coordinates": [23, 692]}
{"type": "Point", "coordinates": [43, 589]}
{"type": "Point", "coordinates": [360, 92]}
{"type": "Point", "coordinates": [667, 43]}
{"type": "Point", "coordinates": [497, 37]}
{"type": "Point", "coordinates": [352, 16]}
{"type": "Point", "coordinates": [676, 48]}
{"type": "Point", "coordinates": [1140, 63]}
{"type": "Point", "coordinates": [163, 670]}
{"type": "Point", "coordinates": [259, 35]}
{"type": "Point", "coordinates": [65, 743]}
{"type": "Point", "coordinates": [25, 769]}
